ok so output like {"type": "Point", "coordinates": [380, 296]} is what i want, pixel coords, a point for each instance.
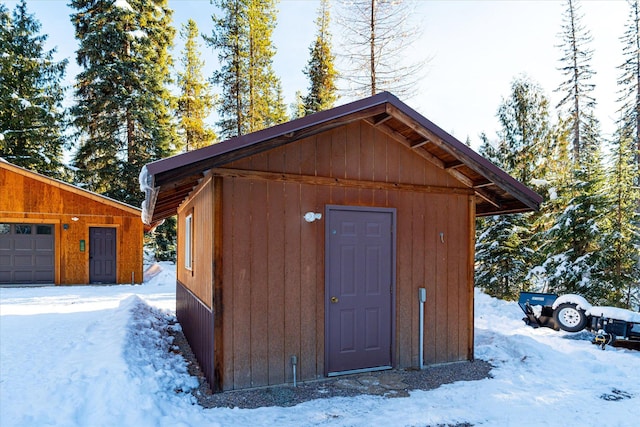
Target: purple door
{"type": "Point", "coordinates": [359, 289]}
{"type": "Point", "coordinates": [102, 255]}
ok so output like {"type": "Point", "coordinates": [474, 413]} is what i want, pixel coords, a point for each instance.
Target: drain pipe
{"type": "Point", "coordinates": [294, 363]}
{"type": "Point", "coordinates": [422, 297]}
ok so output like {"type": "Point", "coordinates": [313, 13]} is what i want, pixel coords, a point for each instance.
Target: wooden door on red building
{"type": "Point", "coordinates": [360, 260]}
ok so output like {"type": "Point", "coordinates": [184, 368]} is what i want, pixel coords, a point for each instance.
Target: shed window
{"type": "Point", "coordinates": [188, 241]}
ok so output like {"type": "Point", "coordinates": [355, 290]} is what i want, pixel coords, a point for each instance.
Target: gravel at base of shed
{"type": "Point", "coordinates": [392, 383]}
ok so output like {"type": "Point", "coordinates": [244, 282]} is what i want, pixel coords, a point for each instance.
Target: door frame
{"type": "Point", "coordinates": [116, 229]}
{"type": "Point", "coordinates": [392, 301]}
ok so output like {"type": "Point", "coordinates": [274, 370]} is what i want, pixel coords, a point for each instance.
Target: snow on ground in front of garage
{"type": "Point", "coordinates": [97, 356]}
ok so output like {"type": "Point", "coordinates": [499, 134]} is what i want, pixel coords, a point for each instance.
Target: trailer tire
{"type": "Point", "coordinates": [569, 318]}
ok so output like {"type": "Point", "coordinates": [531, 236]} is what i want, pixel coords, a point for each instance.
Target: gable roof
{"type": "Point", "coordinates": [168, 182]}
{"type": "Point", "coordinates": [69, 187]}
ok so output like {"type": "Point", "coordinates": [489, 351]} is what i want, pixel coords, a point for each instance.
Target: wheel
{"type": "Point", "coordinates": [569, 318]}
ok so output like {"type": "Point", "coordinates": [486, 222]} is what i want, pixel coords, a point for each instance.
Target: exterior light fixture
{"type": "Point", "coordinates": [312, 216]}
{"type": "Point", "coordinates": [75, 218]}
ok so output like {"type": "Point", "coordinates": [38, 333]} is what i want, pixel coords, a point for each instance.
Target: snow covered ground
{"type": "Point", "coordinates": [97, 356]}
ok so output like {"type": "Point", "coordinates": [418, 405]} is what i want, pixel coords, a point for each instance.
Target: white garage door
{"type": "Point", "coordinates": [26, 253]}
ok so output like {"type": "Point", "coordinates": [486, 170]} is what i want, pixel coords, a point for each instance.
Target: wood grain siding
{"type": "Point", "coordinates": [199, 279]}
{"type": "Point", "coordinates": [32, 198]}
{"type": "Point", "coordinates": [272, 280]}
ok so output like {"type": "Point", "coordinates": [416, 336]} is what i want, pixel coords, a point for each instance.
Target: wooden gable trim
{"type": "Point", "coordinates": [244, 146]}
{"type": "Point", "coordinates": [337, 182]}
{"type": "Point", "coordinates": [70, 188]}
{"type": "Point", "coordinates": [408, 143]}
{"type": "Point", "coordinates": [386, 114]}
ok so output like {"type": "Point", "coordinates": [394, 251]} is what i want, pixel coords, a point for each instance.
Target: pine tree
{"type": "Point", "coordinates": [32, 117]}
{"type": "Point", "coordinates": [623, 246]}
{"type": "Point", "coordinates": [500, 263]}
{"type": "Point", "coordinates": [506, 245]}
{"type": "Point", "coordinates": [123, 110]}
{"type": "Point", "coordinates": [251, 94]}
{"type": "Point", "coordinates": [573, 248]}
{"type": "Point", "coordinates": [620, 272]}
{"type": "Point", "coordinates": [502, 256]}
{"type": "Point", "coordinates": [525, 130]}
{"type": "Point", "coordinates": [320, 69]}
{"type": "Point", "coordinates": [297, 107]}
{"type": "Point", "coordinates": [577, 100]}
{"type": "Point", "coordinates": [630, 82]}
{"type": "Point", "coordinates": [195, 101]}
{"type": "Point", "coordinates": [377, 34]}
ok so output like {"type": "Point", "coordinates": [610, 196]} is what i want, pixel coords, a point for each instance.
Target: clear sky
{"type": "Point", "coordinates": [477, 48]}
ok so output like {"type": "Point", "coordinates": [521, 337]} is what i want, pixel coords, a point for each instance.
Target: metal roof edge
{"type": "Point", "coordinates": [243, 141]}
{"type": "Point", "coordinates": [479, 163]}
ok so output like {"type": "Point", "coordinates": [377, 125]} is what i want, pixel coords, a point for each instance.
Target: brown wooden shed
{"type": "Point", "coordinates": [308, 244]}
{"type": "Point", "coordinates": [52, 232]}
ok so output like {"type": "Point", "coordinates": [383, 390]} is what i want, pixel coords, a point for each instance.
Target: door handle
{"type": "Point", "coordinates": [334, 300]}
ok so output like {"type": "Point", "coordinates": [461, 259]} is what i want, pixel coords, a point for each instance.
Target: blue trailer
{"type": "Point", "coordinates": [573, 313]}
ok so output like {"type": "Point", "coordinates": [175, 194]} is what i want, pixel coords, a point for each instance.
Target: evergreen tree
{"type": "Point", "coordinates": [573, 248]}
{"type": "Point", "coordinates": [297, 107]}
{"type": "Point", "coordinates": [31, 114]}
{"type": "Point", "coordinates": [506, 245]}
{"type": "Point", "coordinates": [377, 34]}
{"type": "Point", "coordinates": [500, 264]}
{"type": "Point", "coordinates": [277, 109]}
{"type": "Point", "coordinates": [620, 248]}
{"type": "Point", "coordinates": [630, 82]}
{"type": "Point", "coordinates": [624, 183]}
{"type": "Point", "coordinates": [577, 100]}
{"type": "Point", "coordinates": [251, 92]}
{"type": "Point", "coordinates": [525, 131]}
{"type": "Point", "coordinates": [195, 101]}
{"type": "Point", "coordinates": [123, 111]}
{"type": "Point", "coordinates": [502, 256]}
{"type": "Point", "coordinates": [320, 69]}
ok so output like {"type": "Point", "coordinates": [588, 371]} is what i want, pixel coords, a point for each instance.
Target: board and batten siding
{"type": "Point", "coordinates": [27, 199]}
{"type": "Point", "coordinates": [198, 279]}
{"type": "Point", "coordinates": [271, 274]}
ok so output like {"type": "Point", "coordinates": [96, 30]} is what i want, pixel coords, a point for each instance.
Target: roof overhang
{"type": "Point", "coordinates": [168, 182]}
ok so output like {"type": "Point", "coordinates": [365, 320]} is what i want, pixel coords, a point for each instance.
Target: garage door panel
{"type": "Point", "coordinates": [45, 244]}
{"type": "Point", "coordinates": [27, 253]}
{"type": "Point", "coordinates": [43, 276]}
{"type": "Point", "coordinates": [23, 260]}
{"type": "Point", "coordinates": [44, 261]}
{"type": "Point", "coordinates": [22, 244]}
{"type": "Point", "coordinates": [23, 276]}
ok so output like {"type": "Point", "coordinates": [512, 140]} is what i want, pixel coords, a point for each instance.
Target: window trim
{"type": "Point", "coordinates": [188, 242]}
